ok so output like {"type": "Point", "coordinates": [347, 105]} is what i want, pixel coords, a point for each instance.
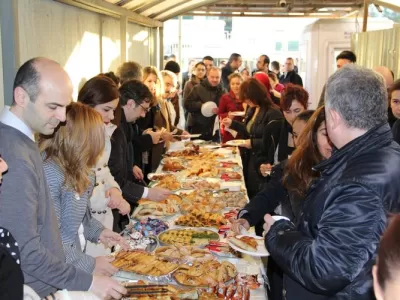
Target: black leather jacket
{"type": "Point", "coordinates": [332, 251]}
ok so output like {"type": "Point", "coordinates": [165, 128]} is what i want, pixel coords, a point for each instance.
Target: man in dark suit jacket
{"type": "Point", "coordinates": [291, 76]}
{"type": "Point", "coordinates": [234, 63]}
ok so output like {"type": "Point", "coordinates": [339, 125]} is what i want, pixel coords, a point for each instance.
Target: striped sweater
{"type": "Point", "coordinates": [72, 210]}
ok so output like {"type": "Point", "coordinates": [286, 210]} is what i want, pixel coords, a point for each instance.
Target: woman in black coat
{"type": "Point", "coordinates": [260, 113]}
{"type": "Point", "coordinates": [289, 182]}
{"type": "Point", "coordinates": [294, 100]}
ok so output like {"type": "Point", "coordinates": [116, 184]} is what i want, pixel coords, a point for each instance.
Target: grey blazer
{"type": "Point", "coordinates": [26, 209]}
{"type": "Point", "coordinates": [72, 210]}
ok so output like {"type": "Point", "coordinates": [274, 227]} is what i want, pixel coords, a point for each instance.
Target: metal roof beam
{"type": "Point", "coordinates": [113, 10]}
{"type": "Point", "coordinates": [391, 6]}
{"type": "Point", "coordinates": [182, 9]}
{"type": "Point", "coordinates": [266, 15]}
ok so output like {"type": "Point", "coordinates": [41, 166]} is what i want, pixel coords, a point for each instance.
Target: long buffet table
{"type": "Point", "coordinates": [247, 264]}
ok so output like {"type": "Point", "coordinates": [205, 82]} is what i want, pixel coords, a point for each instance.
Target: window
{"type": "Point", "coordinates": [293, 46]}
{"type": "Point", "coordinates": [278, 46]}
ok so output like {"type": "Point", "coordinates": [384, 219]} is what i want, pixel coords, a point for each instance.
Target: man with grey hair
{"type": "Point", "coordinates": [130, 70]}
{"type": "Point", "coordinates": [330, 254]}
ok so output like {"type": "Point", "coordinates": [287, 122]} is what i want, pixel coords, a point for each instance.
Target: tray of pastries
{"type": "Point", "coordinates": [184, 254]}
{"type": "Point", "coordinates": [208, 273]}
{"type": "Point", "coordinates": [198, 218]}
{"type": "Point", "coordinates": [201, 184]}
{"type": "Point", "coordinates": [169, 182]}
{"type": "Point", "coordinates": [206, 200]}
{"type": "Point", "coordinates": [147, 208]}
{"type": "Point", "coordinates": [172, 164]}
{"type": "Point", "coordinates": [187, 237]}
{"type": "Point", "coordinates": [143, 263]}
{"type": "Point", "coordinates": [232, 199]}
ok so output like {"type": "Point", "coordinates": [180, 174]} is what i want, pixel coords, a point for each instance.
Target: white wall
{"type": "Point", "coordinates": [84, 42]}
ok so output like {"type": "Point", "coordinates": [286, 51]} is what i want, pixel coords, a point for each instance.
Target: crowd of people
{"type": "Point", "coordinates": [74, 171]}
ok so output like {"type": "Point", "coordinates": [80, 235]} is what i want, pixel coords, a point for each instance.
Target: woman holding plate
{"type": "Point", "coordinates": [230, 102]}
{"type": "Point", "coordinates": [260, 113]}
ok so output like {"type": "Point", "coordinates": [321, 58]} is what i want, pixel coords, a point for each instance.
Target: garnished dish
{"type": "Point", "coordinates": [252, 245]}
{"type": "Point", "coordinates": [208, 273]}
{"type": "Point", "coordinates": [185, 253]}
{"type": "Point", "coordinates": [187, 237]}
{"type": "Point", "coordinates": [148, 208]}
{"type": "Point", "coordinates": [143, 263]}
{"type": "Point", "coordinates": [198, 218]}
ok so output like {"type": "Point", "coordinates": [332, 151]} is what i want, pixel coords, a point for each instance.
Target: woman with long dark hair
{"type": "Point", "coordinates": [260, 112]}
{"type": "Point", "coordinates": [294, 101]}
{"type": "Point", "coordinates": [101, 93]}
{"type": "Point", "coordinates": [289, 182]}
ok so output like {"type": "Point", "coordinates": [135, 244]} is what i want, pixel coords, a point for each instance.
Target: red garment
{"type": "Point", "coordinates": [279, 88]}
{"type": "Point", "coordinates": [264, 80]}
{"type": "Point", "coordinates": [229, 103]}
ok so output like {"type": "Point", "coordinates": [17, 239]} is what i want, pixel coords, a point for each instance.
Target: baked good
{"type": "Point", "coordinates": [245, 242]}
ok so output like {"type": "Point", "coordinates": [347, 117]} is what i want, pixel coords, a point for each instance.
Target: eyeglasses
{"type": "Point", "coordinates": [146, 110]}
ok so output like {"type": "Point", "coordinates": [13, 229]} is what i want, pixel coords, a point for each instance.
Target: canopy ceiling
{"type": "Point", "coordinates": [163, 10]}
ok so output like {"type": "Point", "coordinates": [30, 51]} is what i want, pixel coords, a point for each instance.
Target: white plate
{"type": "Point", "coordinates": [206, 108]}
{"type": "Point", "coordinates": [210, 146]}
{"type": "Point", "coordinates": [261, 250]}
{"type": "Point", "coordinates": [238, 113]}
{"type": "Point", "coordinates": [198, 142]}
{"type": "Point", "coordinates": [195, 135]}
{"type": "Point", "coordinates": [236, 142]}
{"type": "Point", "coordinates": [277, 218]}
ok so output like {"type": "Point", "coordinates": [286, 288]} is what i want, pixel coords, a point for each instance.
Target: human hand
{"type": "Point", "coordinates": [107, 288]}
{"type": "Point", "coordinates": [237, 224]}
{"type": "Point", "coordinates": [167, 136]}
{"type": "Point", "coordinates": [215, 110]}
{"type": "Point", "coordinates": [265, 169]}
{"type": "Point", "coordinates": [227, 122]}
{"type": "Point", "coordinates": [269, 221]}
{"type": "Point", "coordinates": [185, 134]}
{"type": "Point", "coordinates": [276, 94]}
{"type": "Point", "coordinates": [124, 208]}
{"type": "Point", "coordinates": [104, 267]}
{"type": "Point", "coordinates": [110, 238]}
{"type": "Point", "coordinates": [115, 197]}
{"type": "Point", "coordinates": [158, 194]}
{"type": "Point", "coordinates": [247, 144]}
{"type": "Point", "coordinates": [138, 173]}
{"type": "Point", "coordinates": [230, 116]}
{"type": "Point", "coordinates": [155, 136]}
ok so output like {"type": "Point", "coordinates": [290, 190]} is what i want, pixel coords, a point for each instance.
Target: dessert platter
{"type": "Point", "coordinates": [182, 247]}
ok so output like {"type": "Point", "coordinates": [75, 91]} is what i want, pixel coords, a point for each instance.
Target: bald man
{"type": "Point", "coordinates": [42, 91]}
{"type": "Point", "coordinates": [388, 77]}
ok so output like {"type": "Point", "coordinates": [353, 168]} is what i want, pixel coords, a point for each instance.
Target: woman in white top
{"type": "Point", "coordinates": [101, 93]}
